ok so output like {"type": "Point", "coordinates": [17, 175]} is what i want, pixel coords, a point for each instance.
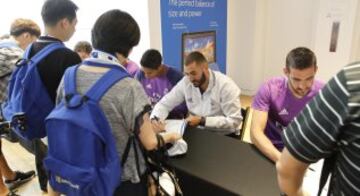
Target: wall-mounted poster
{"type": "Point", "coordinates": [204, 42]}
{"type": "Point", "coordinates": [188, 25]}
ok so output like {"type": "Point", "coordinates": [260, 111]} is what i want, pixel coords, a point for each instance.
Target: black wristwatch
{"type": "Point", "coordinates": [202, 121]}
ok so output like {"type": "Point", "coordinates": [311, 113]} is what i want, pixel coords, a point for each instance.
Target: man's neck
{"type": "Point", "coordinates": [122, 60]}
{"type": "Point", "coordinates": [163, 70]}
{"type": "Point", "coordinates": [295, 94]}
{"type": "Point", "coordinates": [54, 33]}
{"type": "Point", "coordinates": [204, 86]}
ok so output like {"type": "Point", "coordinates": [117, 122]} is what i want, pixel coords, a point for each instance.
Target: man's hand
{"type": "Point", "coordinates": [158, 125]}
{"type": "Point", "coordinates": [171, 137]}
{"type": "Point", "coordinates": [193, 120]}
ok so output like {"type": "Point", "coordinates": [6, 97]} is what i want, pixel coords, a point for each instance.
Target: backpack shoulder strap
{"type": "Point", "coordinates": [105, 82]}
{"type": "Point", "coordinates": [329, 164]}
{"type": "Point", "coordinates": [27, 51]}
{"type": "Point", "coordinates": [325, 172]}
{"type": "Point", "coordinates": [70, 80]}
{"type": "Point", "coordinates": [43, 52]}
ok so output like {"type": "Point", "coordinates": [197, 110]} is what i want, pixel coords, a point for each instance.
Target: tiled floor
{"type": "Point", "coordinates": [19, 159]}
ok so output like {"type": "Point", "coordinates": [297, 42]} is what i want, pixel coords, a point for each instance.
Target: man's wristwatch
{"type": "Point", "coordinates": [202, 121]}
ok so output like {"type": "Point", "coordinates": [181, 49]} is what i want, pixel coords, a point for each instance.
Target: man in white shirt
{"type": "Point", "coordinates": [212, 98]}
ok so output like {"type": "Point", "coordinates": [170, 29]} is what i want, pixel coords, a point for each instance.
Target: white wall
{"type": "Point", "coordinates": [87, 15]}
{"type": "Point", "coordinates": [261, 33]}
{"type": "Point", "coordinates": [288, 24]}
{"type": "Point", "coordinates": [355, 49]}
{"type": "Point", "coordinates": [155, 24]}
{"type": "Point", "coordinates": [343, 11]}
{"type": "Point", "coordinates": [244, 44]}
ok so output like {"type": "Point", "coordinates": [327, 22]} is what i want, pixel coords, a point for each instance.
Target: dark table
{"type": "Point", "coordinates": [220, 165]}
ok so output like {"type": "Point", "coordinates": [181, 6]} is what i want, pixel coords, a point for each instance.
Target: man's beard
{"type": "Point", "coordinates": [198, 83]}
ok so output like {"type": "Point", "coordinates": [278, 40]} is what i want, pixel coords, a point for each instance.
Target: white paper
{"type": "Point", "coordinates": [177, 126]}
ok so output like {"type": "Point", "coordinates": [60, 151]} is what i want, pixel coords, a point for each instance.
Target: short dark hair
{"type": "Point", "coordinates": [83, 46]}
{"type": "Point", "coordinates": [55, 10]}
{"type": "Point", "coordinates": [115, 31]}
{"type": "Point", "coordinates": [196, 57]}
{"type": "Point", "coordinates": [22, 25]}
{"type": "Point", "coordinates": [300, 58]}
{"type": "Point", "coordinates": [151, 59]}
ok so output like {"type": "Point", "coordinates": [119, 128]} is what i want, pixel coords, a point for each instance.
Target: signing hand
{"type": "Point", "coordinates": [158, 125]}
{"type": "Point", "coordinates": [193, 120]}
{"type": "Point", "coordinates": [171, 137]}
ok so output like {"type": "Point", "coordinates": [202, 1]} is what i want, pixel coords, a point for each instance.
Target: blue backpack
{"type": "Point", "coordinates": [28, 101]}
{"type": "Point", "coordinates": [82, 157]}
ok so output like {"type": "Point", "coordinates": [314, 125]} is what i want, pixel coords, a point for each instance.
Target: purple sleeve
{"type": "Point", "coordinates": [262, 98]}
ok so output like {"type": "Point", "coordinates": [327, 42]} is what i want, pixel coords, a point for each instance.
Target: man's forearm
{"type": "Point", "coordinates": [222, 122]}
{"type": "Point", "coordinates": [265, 146]}
{"type": "Point", "coordinates": [290, 174]}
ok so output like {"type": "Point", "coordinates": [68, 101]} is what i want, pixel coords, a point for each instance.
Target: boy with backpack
{"type": "Point", "coordinates": [22, 33]}
{"type": "Point", "coordinates": [115, 120]}
{"type": "Point", "coordinates": [45, 64]}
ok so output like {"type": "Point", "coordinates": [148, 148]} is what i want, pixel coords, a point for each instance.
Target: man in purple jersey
{"type": "Point", "coordinates": [280, 99]}
{"type": "Point", "coordinates": [158, 79]}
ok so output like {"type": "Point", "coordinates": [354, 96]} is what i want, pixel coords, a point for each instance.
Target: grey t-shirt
{"type": "Point", "coordinates": [122, 104]}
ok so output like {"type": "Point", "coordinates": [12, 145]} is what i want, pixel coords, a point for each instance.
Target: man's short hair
{"type": "Point", "coordinates": [196, 57]}
{"type": "Point", "coordinates": [22, 25]}
{"type": "Point", "coordinates": [83, 46]}
{"type": "Point", "coordinates": [151, 59]}
{"type": "Point", "coordinates": [300, 58]}
{"type": "Point", "coordinates": [55, 10]}
{"type": "Point", "coordinates": [115, 31]}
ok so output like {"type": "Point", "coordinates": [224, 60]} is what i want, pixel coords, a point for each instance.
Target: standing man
{"type": "Point", "coordinates": [212, 98]}
{"type": "Point", "coordinates": [83, 48]}
{"type": "Point", "coordinates": [22, 33]}
{"type": "Point", "coordinates": [59, 17]}
{"type": "Point", "coordinates": [125, 104]}
{"type": "Point", "coordinates": [280, 99]}
{"type": "Point", "coordinates": [158, 79]}
{"type": "Point", "coordinates": [329, 126]}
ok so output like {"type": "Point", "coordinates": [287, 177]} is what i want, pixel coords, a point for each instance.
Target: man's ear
{"type": "Point", "coordinates": [26, 35]}
{"type": "Point", "coordinates": [64, 23]}
{"type": "Point", "coordinates": [205, 66]}
{"type": "Point", "coordinates": [286, 71]}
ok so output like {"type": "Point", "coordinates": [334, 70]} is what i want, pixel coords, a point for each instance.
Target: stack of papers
{"type": "Point", "coordinates": [179, 147]}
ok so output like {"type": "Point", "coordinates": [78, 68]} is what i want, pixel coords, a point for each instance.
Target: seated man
{"type": "Point", "coordinates": [158, 79]}
{"type": "Point", "coordinates": [328, 127]}
{"type": "Point", "coordinates": [212, 98]}
{"type": "Point", "coordinates": [280, 99]}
